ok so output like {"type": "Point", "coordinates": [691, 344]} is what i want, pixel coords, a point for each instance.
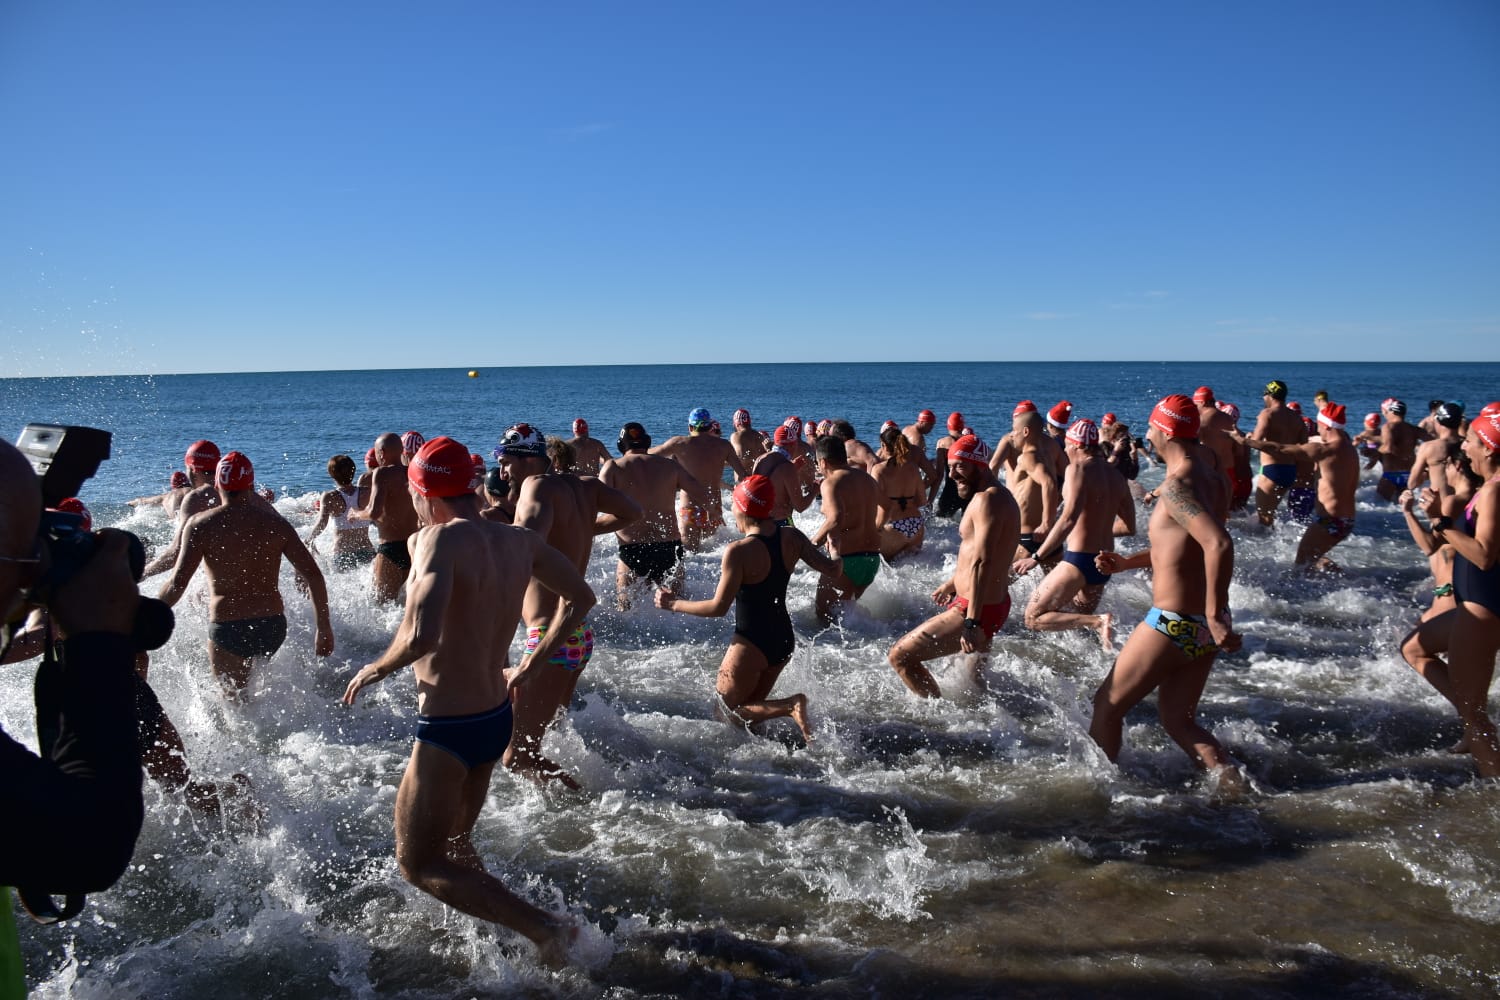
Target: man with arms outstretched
{"type": "Point", "coordinates": [463, 602]}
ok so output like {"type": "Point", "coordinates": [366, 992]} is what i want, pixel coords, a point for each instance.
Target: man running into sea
{"type": "Point", "coordinates": [1032, 474]}
{"type": "Point", "coordinates": [704, 455]}
{"type": "Point", "coordinates": [1398, 449]}
{"type": "Point", "coordinates": [1097, 507]}
{"type": "Point", "coordinates": [1278, 424]}
{"type": "Point", "coordinates": [589, 454]}
{"type": "Point", "coordinates": [944, 498]}
{"type": "Point", "coordinates": [976, 599]}
{"type": "Point", "coordinates": [652, 546]}
{"type": "Point", "coordinates": [563, 509]}
{"type": "Point", "coordinates": [748, 443]}
{"type": "Point", "coordinates": [201, 463]}
{"type": "Point", "coordinates": [778, 466]}
{"type": "Point", "coordinates": [850, 527]}
{"type": "Point", "coordinates": [1338, 477]}
{"type": "Point", "coordinates": [916, 435]}
{"type": "Point", "coordinates": [1191, 558]}
{"type": "Point", "coordinates": [1446, 445]}
{"type": "Point", "coordinates": [241, 542]}
{"type": "Point", "coordinates": [391, 512]}
{"type": "Point", "coordinates": [469, 577]}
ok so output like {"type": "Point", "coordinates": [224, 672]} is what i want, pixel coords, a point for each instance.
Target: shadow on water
{"type": "Point", "coordinates": [716, 962]}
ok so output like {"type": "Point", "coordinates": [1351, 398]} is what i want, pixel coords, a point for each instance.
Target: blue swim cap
{"type": "Point", "coordinates": [700, 417]}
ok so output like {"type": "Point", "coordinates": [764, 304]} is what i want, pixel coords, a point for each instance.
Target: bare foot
{"type": "Point", "coordinates": [1227, 783]}
{"type": "Point", "coordinates": [553, 950]}
{"type": "Point", "coordinates": [541, 770]}
{"type": "Point", "coordinates": [1107, 632]}
{"type": "Point", "coordinates": [799, 716]}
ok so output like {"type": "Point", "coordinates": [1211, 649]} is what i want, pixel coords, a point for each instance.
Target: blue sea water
{"type": "Point", "coordinates": [979, 846]}
{"type": "Point", "coordinates": [290, 423]}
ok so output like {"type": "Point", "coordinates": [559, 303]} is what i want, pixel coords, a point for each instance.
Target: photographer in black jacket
{"type": "Point", "coordinates": [72, 817]}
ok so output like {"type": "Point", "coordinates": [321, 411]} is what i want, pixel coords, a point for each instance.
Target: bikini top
{"type": "Point", "coordinates": [341, 521]}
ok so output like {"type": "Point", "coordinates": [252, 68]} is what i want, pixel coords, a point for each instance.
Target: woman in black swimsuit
{"type": "Point", "coordinates": [1476, 583]}
{"type": "Point", "coordinates": [753, 578]}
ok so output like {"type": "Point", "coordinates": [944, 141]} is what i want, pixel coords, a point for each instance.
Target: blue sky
{"type": "Point", "coordinates": [213, 187]}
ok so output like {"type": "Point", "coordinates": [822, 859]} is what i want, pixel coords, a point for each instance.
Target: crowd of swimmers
{"type": "Point", "coordinates": [475, 550]}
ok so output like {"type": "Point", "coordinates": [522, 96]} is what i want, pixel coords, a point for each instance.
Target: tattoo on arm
{"type": "Point", "coordinates": [1182, 501]}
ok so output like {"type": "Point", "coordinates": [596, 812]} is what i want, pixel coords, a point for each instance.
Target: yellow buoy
{"type": "Point", "coordinates": [473, 373]}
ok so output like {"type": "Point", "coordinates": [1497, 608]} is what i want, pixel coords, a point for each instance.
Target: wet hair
{"type": "Point", "coordinates": [842, 429]}
{"type": "Point", "coordinates": [1459, 461]}
{"type": "Point", "coordinates": [895, 442]}
{"type": "Point", "coordinates": [341, 469]}
{"type": "Point", "coordinates": [561, 454]}
{"type": "Point", "coordinates": [830, 447]}
{"type": "Point", "coordinates": [1433, 404]}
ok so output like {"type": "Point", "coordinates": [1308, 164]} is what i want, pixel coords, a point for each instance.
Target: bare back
{"type": "Point", "coordinates": [851, 500]}
{"type": "Point", "coordinates": [589, 455]}
{"type": "Point", "coordinates": [651, 481]}
{"type": "Point", "coordinates": [1031, 485]}
{"type": "Point", "coordinates": [478, 572]}
{"type": "Point", "coordinates": [241, 546]}
{"type": "Point", "coordinates": [900, 491]}
{"type": "Point", "coordinates": [390, 504]}
{"type": "Point", "coordinates": [1102, 495]}
{"type": "Point", "coordinates": [562, 508]}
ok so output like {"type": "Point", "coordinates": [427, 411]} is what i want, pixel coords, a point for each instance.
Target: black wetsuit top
{"type": "Point", "coordinates": [1470, 583]}
{"type": "Point", "coordinates": [760, 608]}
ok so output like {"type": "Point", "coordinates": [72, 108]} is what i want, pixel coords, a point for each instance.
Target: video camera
{"type": "Point", "coordinates": [64, 458]}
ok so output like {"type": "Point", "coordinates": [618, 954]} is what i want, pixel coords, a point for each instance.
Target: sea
{"type": "Point", "coordinates": [976, 846]}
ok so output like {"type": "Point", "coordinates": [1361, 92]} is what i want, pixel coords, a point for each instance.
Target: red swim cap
{"type": "Point", "coordinates": [1059, 414]}
{"type": "Point", "coordinates": [411, 443]}
{"type": "Point", "coordinates": [742, 417]}
{"type": "Point", "coordinates": [441, 468]}
{"type": "Point", "coordinates": [580, 427]}
{"type": "Point", "coordinates": [1490, 409]}
{"type": "Point", "coordinates": [1176, 416]}
{"type": "Point", "coordinates": [889, 425]}
{"type": "Point", "coordinates": [809, 429]}
{"type": "Point", "coordinates": [1229, 410]}
{"type": "Point", "coordinates": [1333, 416]}
{"type": "Point", "coordinates": [825, 427]}
{"type": "Point", "coordinates": [782, 435]}
{"type": "Point", "coordinates": [371, 462]}
{"type": "Point", "coordinates": [235, 472]}
{"type": "Point", "coordinates": [1294, 406]}
{"type": "Point", "coordinates": [928, 416]}
{"type": "Point", "coordinates": [180, 479]}
{"type": "Point", "coordinates": [970, 449]}
{"type": "Point", "coordinates": [201, 456]}
{"type": "Point", "coordinates": [793, 424]}
{"type": "Point", "coordinates": [755, 496]}
{"type": "Point", "coordinates": [1372, 420]}
{"type": "Point", "coordinates": [479, 470]}
{"type": "Point", "coordinates": [1109, 420]}
{"type": "Point", "coordinates": [1024, 406]}
{"type": "Point", "coordinates": [1487, 426]}
{"type": "Point", "coordinates": [1203, 394]}
{"type": "Point", "coordinates": [1311, 426]}
{"type": "Point", "coordinates": [73, 505]}
{"type": "Point", "coordinates": [955, 422]}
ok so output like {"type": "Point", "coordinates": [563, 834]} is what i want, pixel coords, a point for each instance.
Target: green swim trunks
{"type": "Point", "coordinates": [861, 567]}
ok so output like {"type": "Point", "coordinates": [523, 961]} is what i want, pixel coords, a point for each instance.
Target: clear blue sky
{"type": "Point", "coordinates": [216, 187]}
